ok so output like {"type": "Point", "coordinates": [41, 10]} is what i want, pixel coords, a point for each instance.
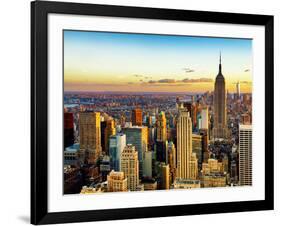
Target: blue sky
{"type": "Point", "coordinates": [101, 57]}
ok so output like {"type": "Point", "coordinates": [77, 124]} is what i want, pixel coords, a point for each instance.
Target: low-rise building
{"type": "Point", "coordinates": [116, 182]}
{"type": "Point", "coordinates": [181, 183]}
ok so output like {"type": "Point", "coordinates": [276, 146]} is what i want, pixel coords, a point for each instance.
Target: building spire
{"type": "Point", "coordinates": [220, 64]}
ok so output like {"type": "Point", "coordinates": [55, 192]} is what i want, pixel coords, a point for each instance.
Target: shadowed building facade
{"type": "Point", "coordinates": [220, 121]}
{"type": "Point", "coordinates": [68, 129]}
{"type": "Point", "coordinates": [90, 134]}
{"type": "Point", "coordinates": [161, 131]}
{"type": "Point", "coordinates": [116, 145]}
{"type": "Point", "coordinates": [109, 131]}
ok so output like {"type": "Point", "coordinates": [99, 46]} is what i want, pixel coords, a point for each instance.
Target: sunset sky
{"type": "Point", "coordinates": [105, 61]}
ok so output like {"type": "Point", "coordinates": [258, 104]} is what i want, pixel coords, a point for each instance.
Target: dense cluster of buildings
{"type": "Point", "coordinates": [157, 141]}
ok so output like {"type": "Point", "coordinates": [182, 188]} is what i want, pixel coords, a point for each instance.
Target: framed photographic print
{"type": "Point", "coordinates": [144, 112]}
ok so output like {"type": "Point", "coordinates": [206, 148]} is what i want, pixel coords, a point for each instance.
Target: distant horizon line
{"type": "Point", "coordinates": [141, 92]}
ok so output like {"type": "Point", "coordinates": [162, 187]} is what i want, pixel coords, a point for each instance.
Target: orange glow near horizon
{"type": "Point", "coordinates": [180, 87]}
{"type": "Point", "coordinates": [104, 61]}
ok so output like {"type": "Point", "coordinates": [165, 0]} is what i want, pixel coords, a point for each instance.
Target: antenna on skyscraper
{"type": "Point", "coordinates": [220, 64]}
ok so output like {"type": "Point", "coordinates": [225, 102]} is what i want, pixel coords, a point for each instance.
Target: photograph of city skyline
{"type": "Point", "coordinates": [149, 112]}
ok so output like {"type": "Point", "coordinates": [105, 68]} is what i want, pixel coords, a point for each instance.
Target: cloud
{"type": "Point", "coordinates": [166, 84]}
{"type": "Point", "coordinates": [166, 80]}
{"type": "Point", "coordinates": [245, 82]}
{"type": "Point", "coordinates": [161, 81]}
{"type": "Point", "coordinates": [183, 81]}
{"type": "Point", "coordinates": [198, 80]}
{"type": "Point", "coordinates": [188, 70]}
{"type": "Point", "coordinates": [152, 81]}
{"type": "Point", "coordinates": [137, 75]}
{"type": "Point", "coordinates": [142, 76]}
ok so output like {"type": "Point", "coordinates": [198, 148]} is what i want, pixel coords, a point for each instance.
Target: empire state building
{"type": "Point", "coordinates": [220, 124]}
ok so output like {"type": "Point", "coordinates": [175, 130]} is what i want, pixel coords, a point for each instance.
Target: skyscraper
{"type": "Point", "coordinates": [137, 136]}
{"type": "Point", "coordinates": [148, 121]}
{"type": "Point", "coordinates": [109, 130]}
{"type": "Point", "coordinates": [147, 164]}
{"type": "Point", "coordinates": [205, 144]}
{"type": "Point", "coordinates": [102, 129]}
{"type": "Point", "coordinates": [194, 112]}
{"type": "Point", "coordinates": [197, 146]}
{"type": "Point", "coordinates": [204, 118]}
{"type": "Point", "coordinates": [233, 172]}
{"type": "Point", "coordinates": [104, 166]}
{"type": "Point", "coordinates": [137, 117]}
{"type": "Point", "coordinates": [193, 167]}
{"type": "Point", "coordinates": [151, 135]}
{"type": "Point", "coordinates": [161, 127]}
{"type": "Point", "coordinates": [123, 120]}
{"type": "Point", "coordinates": [238, 90]}
{"type": "Point", "coordinates": [220, 121]}
{"type": "Point", "coordinates": [68, 129]}
{"type": "Point", "coordinates": [116, 145]}
{"type": "Point", "coordinates": [161, 151]}
{"type": "Point", "coordinates": [164, 176]}
{"type": "Point", "coordinates": [130, 166]}
{"type": "Point", "coordinates": [225, 163]}
{"type": "Point", "coordinates": [172, 160]}
{"type": "Point", "coordinates": [90, 134]}
{"type": "Point", "coordinates": [161, 137]}
{"type": "Point", "coordinates": [184, 144]}
{"type": "Point", "coordinates": [245, 154]}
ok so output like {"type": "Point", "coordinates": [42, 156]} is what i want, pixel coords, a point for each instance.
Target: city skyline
{"type": "Point", "coordinates": [106, 61]}
{"type": "Point", "coordinates": [157, 133]}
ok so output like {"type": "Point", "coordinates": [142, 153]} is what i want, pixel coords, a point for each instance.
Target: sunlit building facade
{"type": "Point", "coordinates": [161, 126]}
{"type": "Point", "coordinates": [184, 144]}
{"type": "Point", "coordinates": [137, 117]}
{"type": "Point", "coordinates": [116, 182]}
{"type": "Point", "coordinates": [130, 166]}
{"type": "Point", "coordinates": [245, 154]}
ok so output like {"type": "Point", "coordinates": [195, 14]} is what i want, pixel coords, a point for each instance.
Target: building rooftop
{"type": "Point", "coordinates": [134, 127]}
{"type": "Point", "coordinates": [186, 181]}
{"type": "Point", "coordinates": [73, 148]}
{"type": "Point", "coordinates": [242, 126]}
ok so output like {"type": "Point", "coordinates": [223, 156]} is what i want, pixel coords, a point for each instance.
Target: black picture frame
{"type": "Point", "coordinates": [39, 112]}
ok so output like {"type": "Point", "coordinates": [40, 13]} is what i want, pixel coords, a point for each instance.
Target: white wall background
{"type": "Point", "coordinates": [15, 113]}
